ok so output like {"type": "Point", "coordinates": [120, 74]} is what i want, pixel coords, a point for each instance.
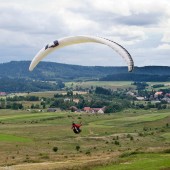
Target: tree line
{"type": "Point", "coordinates": [50, 71]}
{"type": "Point", "coordinates": [136, 77]}
{"type": "Point", "coordinates": [25, 85]}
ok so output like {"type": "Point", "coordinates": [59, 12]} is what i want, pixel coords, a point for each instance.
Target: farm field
{"type": "Point", "coordinates": [89, 84]}
{"type": "Point", "coordinates": [128, 139]}
{"type": "Point", "coordinates": [114, 84]}
{"type": "Point", "coordinates": [108, 84]}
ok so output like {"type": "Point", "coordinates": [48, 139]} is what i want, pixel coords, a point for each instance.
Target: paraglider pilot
{"type": "Point", "coordinates": [76, 127]}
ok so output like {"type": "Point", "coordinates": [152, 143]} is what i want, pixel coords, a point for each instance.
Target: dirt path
{"type": "Point", "coordinates": [82, 162]}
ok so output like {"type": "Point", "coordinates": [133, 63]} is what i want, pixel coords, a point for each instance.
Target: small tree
{"type": "Point", "coordinates": [117, 142]}
{"type": "Point", "coordinates": [77, 147]}
{"type": "Point", "coordinates": [32, 106]}
{"type": "Point", "coordinates": [60, 84]}
{"type": "Point", "coordinates": [88, 153]}
{"type": "Point", "coordinates": [55, 149]}
{"type": "Point", "coordinates": [128, 135]}
{"type": "Point", "coordinates": [131, 138]}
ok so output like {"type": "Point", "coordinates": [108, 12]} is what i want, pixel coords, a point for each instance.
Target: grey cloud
{"type": "Point", "coordinates": [29, 21]}
{"type": "Point", "coordinates": [25, 26]}
{"type": "Point", "coordinates": [141, 19]}
{"type": "Point", "coordinates": [111, 18]}
{"type": "Point", "coordinates": [152, 41]}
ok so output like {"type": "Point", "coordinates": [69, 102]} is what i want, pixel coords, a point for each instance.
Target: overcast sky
{"type": "Point", "coordinates": [141, 26]}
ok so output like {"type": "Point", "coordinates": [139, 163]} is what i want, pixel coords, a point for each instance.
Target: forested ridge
{"type": "Point", "coordinates": [55, 71]}
{"type": "Point", "coordinates": [15, 76]}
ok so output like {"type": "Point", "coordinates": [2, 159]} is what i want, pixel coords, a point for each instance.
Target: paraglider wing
{"type": "Point", "coordinates": [82, 39]}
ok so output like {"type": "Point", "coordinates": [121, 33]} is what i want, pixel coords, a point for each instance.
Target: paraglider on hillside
{"type": "Point", "coordinates": [66, 41]}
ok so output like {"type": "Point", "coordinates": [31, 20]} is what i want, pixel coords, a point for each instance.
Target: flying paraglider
{"type": "Point", "coordinates": [66, 41]}
{"type": "Point", "coordinates": [76, 127]}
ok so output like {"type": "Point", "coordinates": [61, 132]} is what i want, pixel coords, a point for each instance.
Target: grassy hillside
{"type": "Point", "coordinates": [142, 161]}
{"type": "Point", "coordinates": [130, 139]}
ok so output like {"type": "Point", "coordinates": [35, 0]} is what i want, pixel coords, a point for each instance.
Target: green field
{"type": "Point", "coordinates": [127, 140]}
{"type": "Point", "coordinates": [12, 138]}
{"type": "Point", "coordinates": [107, 84]}
{"type": "Point", "coordinates": [141, 161]}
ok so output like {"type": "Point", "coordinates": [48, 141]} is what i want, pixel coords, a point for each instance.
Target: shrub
{"type": "Point", "coordinates": [162, 130]}
{"type": "Point", "coordinates": [55, 149]}
{"type": "Point", "coordinates": [166, 151]}
{"type": "Point", "coordinates": [44, 156]}
{"type": "Point", "coordinates": [131, 138]}
{"type": "Point", "coordinates": [128, 136]}
{"type": "Point", "coordinates": [117, 142]}
{"type": "Point", "coordinates": [152, 133]}
{"type": "Point", "coordinates": [140, 134]}
{"type": "Point", "coordinates": [77, 147]}
{"type": "Point", "coordinates": [88, 153]}
{"type": "Point", "coordinates": [126, 154]}
{"type": "Point", "coordinates": [145, 129]}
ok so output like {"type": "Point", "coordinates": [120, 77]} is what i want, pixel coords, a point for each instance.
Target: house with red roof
{"type": "Point", "coordinates": [3, 94]}
{"type": "Point", "coordinates": [87, 109]}
{"type": "Point", "coordinates": [158, 93]}
{"type": "Point", "coordinates": [94, 110]}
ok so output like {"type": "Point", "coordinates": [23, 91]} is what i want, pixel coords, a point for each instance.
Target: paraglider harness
{"type": "Point", "coordinates": [76, 128]}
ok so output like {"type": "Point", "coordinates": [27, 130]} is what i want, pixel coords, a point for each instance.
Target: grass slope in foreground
{"type": "Point", "coordinates": [149, 161]}
{"type": "Point", "coordinates": [104, 139]}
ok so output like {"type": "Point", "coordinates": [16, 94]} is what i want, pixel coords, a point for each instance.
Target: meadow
{"type": "Point", "coordinates": [107, 84]}
{"type": "Point", "coordinates": [44, 140]}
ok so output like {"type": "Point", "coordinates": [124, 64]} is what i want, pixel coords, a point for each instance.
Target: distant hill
{"type": "Point", "coordinates": [15, 76]}
{"type": "Point", "coordinates": [54, 71]}
{"type": "Point", "coordinates": [136, 77]}
{"type": "Point", "coordinates": [47, 71]}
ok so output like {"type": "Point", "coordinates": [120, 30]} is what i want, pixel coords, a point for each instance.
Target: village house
{"type": "Point", "coordinates": [131, 93]}
{"type": "Point", "coordinates": [167, 99]}
{"type": "Point", "coordinates": [3, 94]}
{"type": "Point", "coordinates": [97, 110]}
{"type": "Point", "coordinates": [67, 100]}
{"type": "Point", "coordinates": [76, 100]}
{"type": "Point", "coordinates": [140, 98]}
{"type": "Point", "coordinates": [158, 93]}
{"type": "Point", "coordinates": [52, 109]}
{"type": "Point", "coordinates": [87, 109]}
{"type": "Point", "coordinates": [94, 110]}
{"type": "Point", "coordinates": [167, 95]}
{"type": "Point", "coordinates": [73, 108]}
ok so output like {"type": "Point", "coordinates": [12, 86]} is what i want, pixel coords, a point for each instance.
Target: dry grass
{"type": "Point", "coordinates": [97, 140]}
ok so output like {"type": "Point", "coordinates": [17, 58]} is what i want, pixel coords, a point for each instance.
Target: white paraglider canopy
{"type": "Point", "coordinates": [66, 41]}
